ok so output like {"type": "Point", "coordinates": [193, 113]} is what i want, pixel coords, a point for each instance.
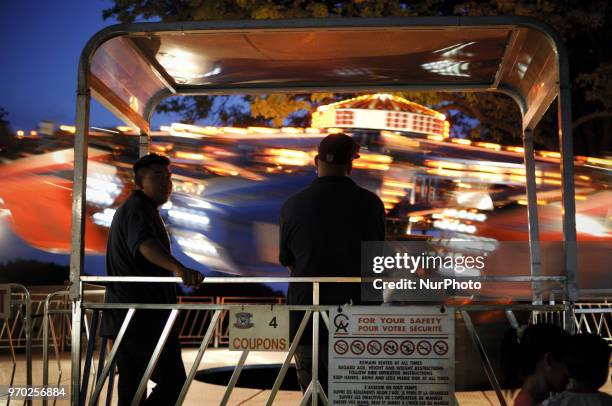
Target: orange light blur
{"type": "Point", "coordinates": [235, 130]}
{"type": "Point", "coordinates": [549, 154]}
{"type": "Point", "coordinates": [599, 161]}
{"type": "Point", "coordinates": [368, 165]}
{"type": "Point", "coordinates": [190, 155]}
{"type": "Point", "coordinates": [489, 145]}
{"type": "Point", "coordinates": [221, 171]}
{"type": "Point", "coordinates": [391, 192]}
{"type": "Point", "coordinates": [515, 149]}
{"type": "Point", "coordinates": [395, 183]}
{"type": "Point", "coordinates": [390, 199]}
{"type": "Point", "coordinates": [446, 172]}
{"type": "Point", "coordinates": [292, 130]}
{"type": "Point", "coordinates": [68, 128]}
{"type": "Point", "coordinates": [444, 165]}
{"type": "Point", "coordinates": [263, 130]}
{"type": "Point", "coordinates": [378, 158]}
{"type": "Point", "coordinates": [435, 137]}
{"type": "Point", "coordinates": [461, 141]}
{"type": "Point", "coordinates": [539, 202]}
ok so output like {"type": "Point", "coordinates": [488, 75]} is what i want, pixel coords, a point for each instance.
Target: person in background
{"type": "Point", "coordinates": [588, 364]}
{"type": "Point", "coordinates": [138, 245]}
{"type": "Point", "coordinates": [535, 355]}
{"type": "Point", "coordinates": [321, 230]}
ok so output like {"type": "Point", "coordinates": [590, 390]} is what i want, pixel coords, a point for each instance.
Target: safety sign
{"type": "Point", "coordinates": [391, 356]}
{"type": "Point", "coordinates": [259, 328]}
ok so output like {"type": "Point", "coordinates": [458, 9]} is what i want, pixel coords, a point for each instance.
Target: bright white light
{"type": "Point", "coordinates": [99, 197]}
{"type": "Point", "coordinates": [213, 72]}
{"type": "Point", "coordinates": [198, 244]}
{"type": "Point", "coordinates": [200, 204]}
{"type": "Point", "coordinates": [101, 185]}
{"type": "Point", "coordinates": [447, 68]}
{"type": "Point", "coordinates": [167, 205]}
{"type": "Point", "coordinates": [588, 225]}
{"type": "Point", "coordinates": [463, 214]}
{"type": "Point", "coordinates": [104, 218]}
{"type": "Point", "coordinates": [189, 218]}
{"type": "Point", "coordinates": [454, 226]}
{"type": "Point", "coordinates": [478, 200]}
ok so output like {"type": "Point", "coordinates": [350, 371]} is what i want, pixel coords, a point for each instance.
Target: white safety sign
{"type": "Point", "coordinates": [5, 301]}
{"type": "Point", "coordinates": [259, 328]}
{"type": "Point", "coordinates": [402, 355]}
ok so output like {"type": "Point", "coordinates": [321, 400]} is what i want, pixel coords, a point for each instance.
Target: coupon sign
{"type": "Point", "coordinates": [259, 328]}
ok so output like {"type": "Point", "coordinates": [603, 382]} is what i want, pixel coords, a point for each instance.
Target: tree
{"type": "Point", "coordinates": [584, 25]}
{"type": "Point", "coordinates": [6, 137]}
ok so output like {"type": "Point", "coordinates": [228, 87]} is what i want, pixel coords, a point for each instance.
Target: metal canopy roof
{"type": "Point", "coordinates": [130, 68]}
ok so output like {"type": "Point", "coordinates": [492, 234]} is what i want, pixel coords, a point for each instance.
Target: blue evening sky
{"type": "Point", "coordinates": [41, 41]}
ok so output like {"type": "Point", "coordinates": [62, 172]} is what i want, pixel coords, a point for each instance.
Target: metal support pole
{"type": "Point", "coordinates": [285, 366]}
{"type": "Point", "coordinates": [91, 340]}
{"type": "Point", "coordinates": [315, 347]}
{"type": "Point", "coordinates": [232, 382]}
{"type": "Point", "coordinates": [142, 387]}
{"type": "Point", "coordinates": [78, 231]}
{"type": "Point", "coordinates": [198, 358]}
{"type": "Point", "coordinates": [111, 358]}
{"type": "Point", "coordinates": [483, 357]}
{"type": "Point", "coordinates": [566, 145]}
{"type": "Point", "coordinates": [75, 348]}
{"type": "Point", "coordinates": [45, 360]}
{"type": "Point", "coordinates": [144, 141]}
{"type": "Point", "coordinates": [532, 214]}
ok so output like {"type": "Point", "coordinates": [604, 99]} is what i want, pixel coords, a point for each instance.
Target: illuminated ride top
{"type": "Point", "coordinates": [381, 111]}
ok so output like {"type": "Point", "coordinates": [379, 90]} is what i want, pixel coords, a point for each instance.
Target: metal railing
{"type": "Point", "coordinates": [313, 394]}
{"type": "Point", "coordinates": [22, 302]}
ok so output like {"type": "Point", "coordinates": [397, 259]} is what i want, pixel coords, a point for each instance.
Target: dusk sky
{"type": "Point", "coordinates": [41, 42]}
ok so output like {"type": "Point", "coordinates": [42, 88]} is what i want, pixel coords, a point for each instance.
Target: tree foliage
{"type": "Point", "coordinates": [585, 26]}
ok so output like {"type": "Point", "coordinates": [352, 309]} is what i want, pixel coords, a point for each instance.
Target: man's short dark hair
{"type": "Point", "coordinates": [146, 162]}
{"type": "Point", "coordinates": [588, 360]}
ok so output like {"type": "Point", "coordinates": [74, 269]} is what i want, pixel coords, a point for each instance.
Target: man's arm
{"type": "Point", "coordinates": [155, 253]}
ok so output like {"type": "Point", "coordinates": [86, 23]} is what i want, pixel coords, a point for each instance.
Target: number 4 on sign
{"type": "Point", "coordinates": [273, 322]}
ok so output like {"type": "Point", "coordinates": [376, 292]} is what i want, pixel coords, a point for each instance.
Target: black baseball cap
{"type": "Point", "coordinates": [338, 149]}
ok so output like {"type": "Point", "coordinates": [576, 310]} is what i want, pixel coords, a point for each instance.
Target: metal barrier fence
{"type": "Point", "coordinates": [82, 393]}
{"type": "Point", "coordinates": [20, 305]}
{"type": "Point", "coordinates": [202, 321]}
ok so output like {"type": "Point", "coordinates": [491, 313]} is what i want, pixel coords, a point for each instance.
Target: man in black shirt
{"type": "Point", "coordinates": [138, 245]}
{"type": "Point", "coordinates": [321, 230]}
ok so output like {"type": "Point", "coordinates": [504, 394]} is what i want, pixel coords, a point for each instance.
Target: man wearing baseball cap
{"type": "Point", "coordinates": [321, 230]}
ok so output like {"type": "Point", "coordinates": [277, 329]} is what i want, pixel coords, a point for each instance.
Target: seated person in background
{"type": "Point", "coordinates": [587, 362]}
{"type": "Point", "coordinates": [535, 356]}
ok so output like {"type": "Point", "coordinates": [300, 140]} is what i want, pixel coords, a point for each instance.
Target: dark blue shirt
{"type": "Point", "coordinates": [321, 230]}
{"type": "Point", "coordinates": [134, 222]}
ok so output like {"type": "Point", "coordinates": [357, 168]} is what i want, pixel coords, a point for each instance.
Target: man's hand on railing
{"type": "Point", "coordinates": [189, 276]}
